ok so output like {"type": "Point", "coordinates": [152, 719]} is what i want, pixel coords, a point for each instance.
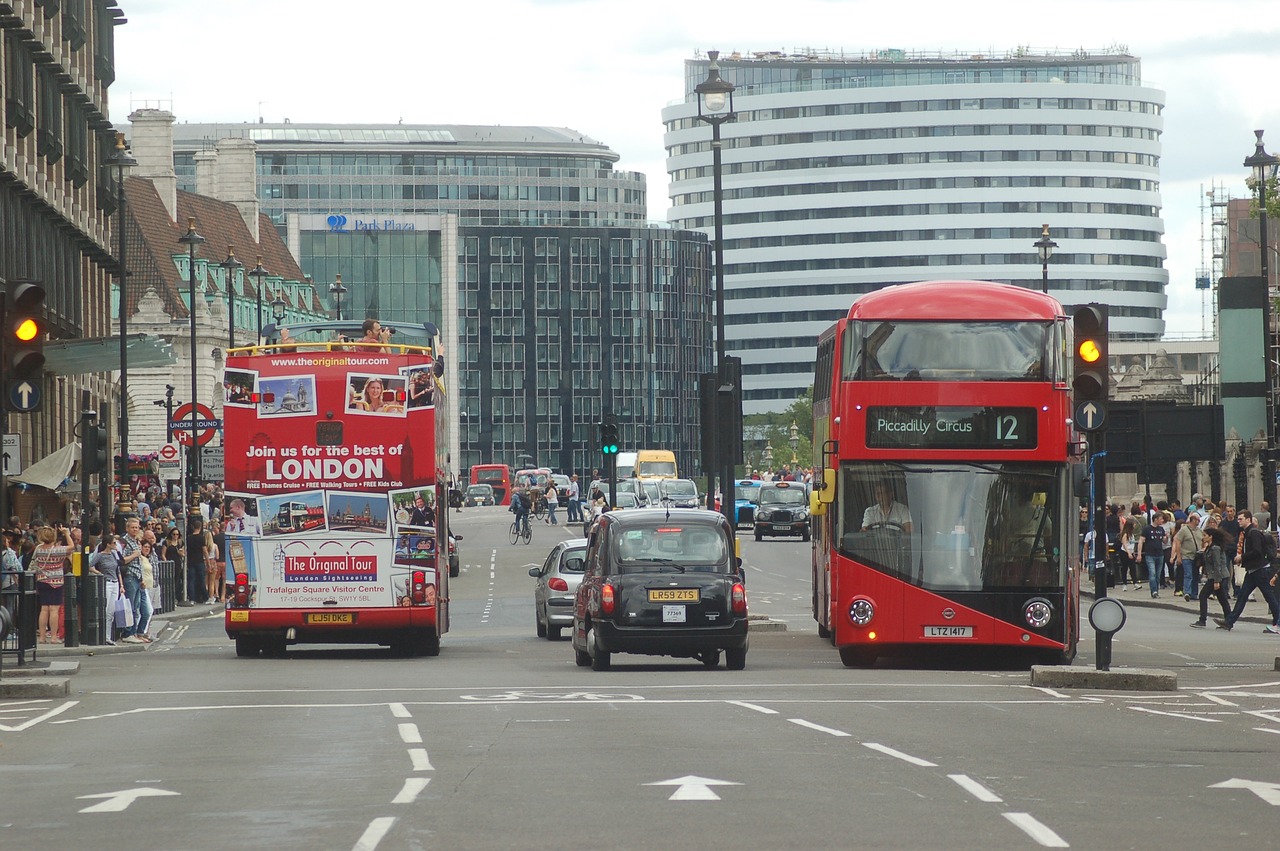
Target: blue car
{"type": "Point", "coordinates": [747, 491]}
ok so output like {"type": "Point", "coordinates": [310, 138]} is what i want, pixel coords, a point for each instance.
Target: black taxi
{"type": "Point", "coordinates": [661, 583]}
{"type": "Point", "coordinates": [782, 508]}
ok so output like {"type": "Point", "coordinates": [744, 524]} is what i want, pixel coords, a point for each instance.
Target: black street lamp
{"type": "Point", "coordinates": [338, 291]}
{"type": "Point", "coordinates": [277, 309]}
{"type": "Point", "coordinates": [191, 239]}
{"type": "Point", "coordinates": [715, 107]}
{"type": "Point", "coordinates": [229, 266]}
{"type": "Point", "coordinates": [1044, 248]}
{"type": "Point", "coordinates": [1264, 167]}
{"type": "Point", "coordinates": [259, 276]}
{"type": "Point", "coordinates": [122, 160]}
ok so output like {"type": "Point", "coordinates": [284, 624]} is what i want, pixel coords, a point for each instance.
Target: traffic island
{"type": "Point", "coordinates": [1120, 679]}
{"type": "Point", "coordinates": [759, 623]}
{"type": "Point", "coordinates": [34, 687]}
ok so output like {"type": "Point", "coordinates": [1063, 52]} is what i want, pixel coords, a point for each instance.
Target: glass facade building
{"type": "Point", "coordinates": [527, 248]}
{"type": "Point", "coordinates": [845, 173]}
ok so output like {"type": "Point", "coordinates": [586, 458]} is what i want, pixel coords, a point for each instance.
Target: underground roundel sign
{"type": "Point", "coordinates": [206, 425]}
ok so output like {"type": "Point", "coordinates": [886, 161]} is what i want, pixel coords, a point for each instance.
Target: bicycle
{"type": "Point", "coordinates": [539, 507]}
{"type": "Point", "coordinates": [520, 529]}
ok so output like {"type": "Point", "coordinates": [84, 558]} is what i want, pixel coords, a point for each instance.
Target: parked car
{"type": "Point", "coordinates": [678, 493]}
{"type": "Point", "coordinates": [479, 495]}
{"type": "Point", "coordinates": [661, 583]}
{"type": "Point", "coordinates": [558, 579]}
{"type": "Point", "coordinates": [562, 488]}
{"type": "Point", "coordinates": [746, 491]}
{"type": "Point", "coordinates": [782, 508]}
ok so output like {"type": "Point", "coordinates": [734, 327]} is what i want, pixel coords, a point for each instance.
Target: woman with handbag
{"type": "Point", "coordinates": [106, 562]}
{"type": "Point", "coordinates": [145, 608]}
{"type": "Point", "coordinates": [50, 562]}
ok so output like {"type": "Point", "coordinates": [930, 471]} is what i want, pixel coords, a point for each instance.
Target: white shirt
{"type": "Point", "coordinates": [246, 525]}
{"type": "Point", "coordinates": [897, 515]}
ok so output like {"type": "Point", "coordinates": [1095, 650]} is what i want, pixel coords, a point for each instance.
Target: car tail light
{"type": "Point", "coordinates": [606, 599]}
{"type": "Point", "coordinates": [557, 584]}
{"type": "Point", "coordinates": [241, 594]}
{"type": "Point", "coordinates": [739, 598]}
{"type": "Point", "coordinates": [418, 588]}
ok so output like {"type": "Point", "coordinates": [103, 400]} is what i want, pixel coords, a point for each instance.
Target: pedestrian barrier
{"type": "Point", "coordinates": [18, 595]}
{"type": "Point", "coordinates": [165, 593]}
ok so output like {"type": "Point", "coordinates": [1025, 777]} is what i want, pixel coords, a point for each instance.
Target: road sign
{"type": "Point", "coordinates": [170, 452]}
{"type": "Point", "coordinates": [1090, 415]}
{"type": "Point", "coordinates": [12, 454]}
{"type": "Point", "coordinates": [24, 396]}
{"type": "Point", "coordinates": [212, 464]}
{"type": "Point", "coordinates": [206, 425]}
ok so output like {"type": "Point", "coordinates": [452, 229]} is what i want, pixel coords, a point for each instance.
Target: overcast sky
{"type": "Point", "coordinates": [607, 67]}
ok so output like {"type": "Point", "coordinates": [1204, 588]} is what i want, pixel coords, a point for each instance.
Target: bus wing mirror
{"type": "Point", "coordinates": [817, 507]}
{"type": "Point", "coordinates": [826, 489]}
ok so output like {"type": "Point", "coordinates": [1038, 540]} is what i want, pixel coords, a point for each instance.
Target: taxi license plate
{"type": "Point", "coordinates": [329, 617]}
{"type": "Point", "coordinates": [673, 595]}
{"type": "Point", "coordinates": [948, 632]}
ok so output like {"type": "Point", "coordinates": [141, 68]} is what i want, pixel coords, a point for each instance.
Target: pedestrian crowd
{"type": "Point", "coordinates": [1209, 550]}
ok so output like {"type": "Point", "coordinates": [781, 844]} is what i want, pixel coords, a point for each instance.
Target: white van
{"type": "Point", "coordinates": [626, 465]}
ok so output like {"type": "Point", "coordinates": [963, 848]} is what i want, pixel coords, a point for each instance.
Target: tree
{"type": "Point", "coordinates": [774, 429]}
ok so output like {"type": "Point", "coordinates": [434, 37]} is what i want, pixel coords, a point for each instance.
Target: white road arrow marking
{"type": "Point", "coordinates": [1269, 792]}
{"type": "Point", "coordinates": [693, 788]}
{"type": "Point", "coordinates": [118, 801]}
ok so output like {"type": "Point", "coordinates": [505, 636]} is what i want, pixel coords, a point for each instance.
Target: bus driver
{"type": "Point", "coordinates": [885, 511]}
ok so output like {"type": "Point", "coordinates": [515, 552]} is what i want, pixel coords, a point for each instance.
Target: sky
{"type": "Point", "coordinates": [606, 68]}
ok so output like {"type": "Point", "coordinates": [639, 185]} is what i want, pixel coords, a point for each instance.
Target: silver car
{"type": "Point", "coordinates": [558, 581]}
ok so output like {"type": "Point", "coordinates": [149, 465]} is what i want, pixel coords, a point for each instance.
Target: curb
{"type": "Point", "coordinates": [1121, 679]}
{"type": "Point", "coordinates": [35, 687]}
{"type": "Point", "coordinates": [766, 626]}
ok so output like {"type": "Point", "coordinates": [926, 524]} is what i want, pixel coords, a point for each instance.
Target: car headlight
{"type": "Point", "coordinates": [762, 513]}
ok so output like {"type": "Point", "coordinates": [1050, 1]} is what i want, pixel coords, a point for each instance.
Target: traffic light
{"type": "Point", "coordinates": [95, 450]}
{"type": "Point", "coordinates": [1089, 356]}
{"type": "Point", "coordinates": [24, 329]}
{"type": "Point", "coordinates": [609, 435]}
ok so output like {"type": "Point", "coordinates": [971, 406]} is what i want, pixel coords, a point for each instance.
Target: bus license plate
{"type": "Point", "coordinates": [330, 617]}
{"type": "Point", "coordinates": [239, 616]}
{"type": "Point", "coordinates": [673, 595]}
{"type": "Point", "coordinates": [673, 614]}
{"type": "Point", "coordinates": [948, 632]}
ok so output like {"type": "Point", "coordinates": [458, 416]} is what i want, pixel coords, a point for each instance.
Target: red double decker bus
{"type": "Point", "coordinates": [497, 476]}
{"type": "Point", "coordinates": [334, 452]}
{"type": "Point", "coordinates": [944, 516]}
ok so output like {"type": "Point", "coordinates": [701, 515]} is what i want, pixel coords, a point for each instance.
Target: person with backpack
{"type": "Point", "coordinates": [1255, 558]}
{"type": "Point", "coordinates": [520, 507]}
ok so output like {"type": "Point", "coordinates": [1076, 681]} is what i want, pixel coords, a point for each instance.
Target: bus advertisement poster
{"type": "Point", "coordinates": [318, 571]}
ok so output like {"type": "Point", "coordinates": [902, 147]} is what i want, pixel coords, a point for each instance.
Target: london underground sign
{"type": "Point", "coordinates": [206, 425]}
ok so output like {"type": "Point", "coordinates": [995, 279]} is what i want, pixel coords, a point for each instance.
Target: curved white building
{"type": "Point", "coordinates": [846, 173]}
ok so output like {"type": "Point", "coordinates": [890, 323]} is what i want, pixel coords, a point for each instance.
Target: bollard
{"type": "Point", "coordinates": [92, 614]}
{"type": "Point", "coordinates": [28, 616]}
{"type": "Point", "coordinates": [70, 611]}
{"type": "Point", "coordinates": [6, 626]}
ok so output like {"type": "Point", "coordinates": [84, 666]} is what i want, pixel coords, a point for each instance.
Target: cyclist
{"type": "Point", "coordinates": [520, 508]}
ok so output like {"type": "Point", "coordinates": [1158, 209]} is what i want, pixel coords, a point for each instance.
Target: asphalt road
{"type": "Point", "coordinates": [502, 742]}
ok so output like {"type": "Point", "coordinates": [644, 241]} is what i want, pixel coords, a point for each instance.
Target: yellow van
{"type": "Point", "coordinates": [656, 464]}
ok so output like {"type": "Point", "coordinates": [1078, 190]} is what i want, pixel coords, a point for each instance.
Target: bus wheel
{"type": "Point", "coordinates": [246, 648]}
{"type": "Point", "coordinates": [857, 657]}
{"type": "Point", "coordinates": [427, 644]}
{"type": "Point", "coordinates": [735, 660]}
{"type": "Point", "coordinates": [823, 632]}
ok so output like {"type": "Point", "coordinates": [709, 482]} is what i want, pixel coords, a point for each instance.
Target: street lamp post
{"type": "Point", "coordinates": [1044, 248]}
{"type": "Point", "coordinates": [715, 107]}
{"type": "Point", "coordinates": [277, 310]}
{"type": "Point", "coordinates": [229, 266]}
{"type": "Point", "coordinates": [1264, 167]}
{"type": "Point", "coordinates": [167, 404]}
{"type": "Point", "coordinates": [795, 445]}
{"type": "Point", "coordinates": [259, 276]}
{"type": "Point", "coordinates": [122, 160]}
{"type": "Point", "coordinates": [191, 239]}
{"type": "Point", "coordinates": [337, 290]}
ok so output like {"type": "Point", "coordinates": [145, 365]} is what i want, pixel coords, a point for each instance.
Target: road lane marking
{"type": "Point", "coordinates": [409, 734]}
{"type": "Point", "coordinates": [1217, 699]}
{"type": "Point", "coordinates": [409, 792]}
{"type": "Point", "coordinates": [1176, 715]}
{"type": "Point", "coordinates": [905, 757]}
{"type": "Point", "coordinates": [818, 727]}
{"type": "Point", "coordinates": [420, 760]}
{"type": "Point", "coordinates": [976, 789]}
{"type": "Point", "coordinates": [761, 709]}
{"type": "Point", "coordinates": [31, 722]}
{"type": "Point", "coordinates": [373, 833]}
{"type": "Point", "coordinates": [1037, 831]}
{"type": "Point", "coordinates": [1050, 692]}
{"type": "Point", "coordinates": [399, 710]}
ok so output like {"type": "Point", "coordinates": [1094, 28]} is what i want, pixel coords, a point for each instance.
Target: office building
{"type": "Point", "coordinates": [844, 173]}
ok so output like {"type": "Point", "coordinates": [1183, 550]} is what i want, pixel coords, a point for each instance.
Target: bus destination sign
{"type": "Point", "coordinates": [930, 427]}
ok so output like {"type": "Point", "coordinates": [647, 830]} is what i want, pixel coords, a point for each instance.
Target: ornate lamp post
{"type": "Point", "coordinates": [259, 276]}
{"type": "Point", "coordinates": [337, 291]}
{"type": "Point", "coordinates": [277, 308]}
{"type": "Point", "coordinates": [191, 239]}
{"type": "Point", "coordinates": [122, 160]}
{"type": "Point", "coordinates": [1044, 248]}
{"type": "Point", "coordinates": [229, 266]}
{"type": "Point", "coordinates": [795, 445]}
{"type": "Point", "coordinates": [1263, 166]}
{"type": "Point", "coordinates": [715, 107]}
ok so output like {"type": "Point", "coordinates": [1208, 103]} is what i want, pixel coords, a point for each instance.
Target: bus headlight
{"type": "Point", "coordinates": [1038, 613]}
{"type": "Point", "coordinates": [861, 611]}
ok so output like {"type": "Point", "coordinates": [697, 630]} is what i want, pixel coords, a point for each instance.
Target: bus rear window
{"type": "Point", "coordinates": [329, 433]}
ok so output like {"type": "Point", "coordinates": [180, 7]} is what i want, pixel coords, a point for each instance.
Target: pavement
{"type": "Point", "coordinates": [1140, 595]}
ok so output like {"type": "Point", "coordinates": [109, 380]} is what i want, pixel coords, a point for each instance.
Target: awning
{"type": "Point", "coordinates": [102, 354]}
{"type": "Point", "coordinates": [52, 470]}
